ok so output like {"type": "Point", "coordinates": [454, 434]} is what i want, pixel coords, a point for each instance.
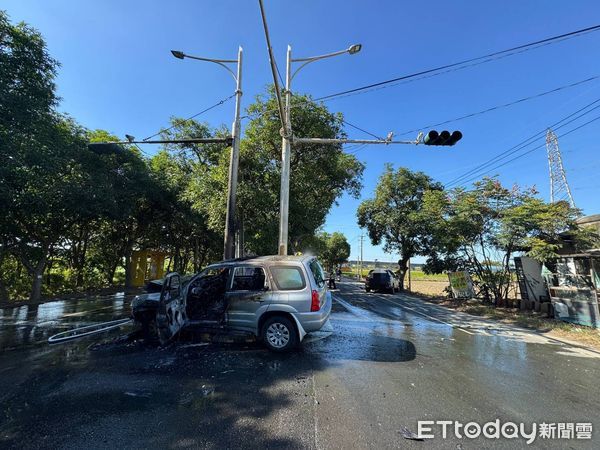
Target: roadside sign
{"type": "Point", "coordinates": [461, 284]}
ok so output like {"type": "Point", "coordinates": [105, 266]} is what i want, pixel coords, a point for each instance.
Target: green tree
{"type": "Point", "coordinates": [130, 205]}
{"type": "Point", "coordinates": [334, 249]}
{"type": "Point", "coordinates": [481, 230]}
{"type": "Point", "coordinates": [27, 98]}
{"type": "Point", "coordinates": [48, 194]}
{"type": "Point", "coordinates": [186, 234]}
{"type": "Point", "coordinates": [395, 216]}
{"type": "Point", "coordinates": [319, 175]}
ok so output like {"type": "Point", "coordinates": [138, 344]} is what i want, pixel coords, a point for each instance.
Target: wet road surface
{"type": "Point", "coordinates": [389, 361]}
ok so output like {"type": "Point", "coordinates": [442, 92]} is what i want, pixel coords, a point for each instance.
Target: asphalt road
{"type": "Point", "coordinates": [388, 362]}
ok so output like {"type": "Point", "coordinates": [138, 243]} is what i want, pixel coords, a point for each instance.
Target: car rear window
{"type": "Point", "coordinates": [288, 278]}
{"type": "Point", "coordinates": [317, 272]}
{"type": "Point", "coordinates": [380, 276]}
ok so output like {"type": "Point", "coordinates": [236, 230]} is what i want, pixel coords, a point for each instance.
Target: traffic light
{"type": "Point", "coordinates": [442, 138]}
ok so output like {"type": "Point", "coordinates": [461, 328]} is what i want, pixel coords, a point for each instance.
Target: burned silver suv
{"type": "Point", "coordinates": [279, 299]}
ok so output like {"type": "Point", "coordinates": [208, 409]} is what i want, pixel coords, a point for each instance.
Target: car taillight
{"type": "Point", "coordinates": [314, 304]}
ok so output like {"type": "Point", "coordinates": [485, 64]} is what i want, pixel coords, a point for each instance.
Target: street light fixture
{"type": "Point", "coordinates": [354, 49]}
{"type": "Point", "coordinates": [229, 244]}
{"type": "Point", "coordinates": [286, 134]}
{"type": "Point", "coordinates": [178, 54]}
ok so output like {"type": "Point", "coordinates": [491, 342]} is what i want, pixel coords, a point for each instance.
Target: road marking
{"type": "Point", "coordinates": [426, 315]}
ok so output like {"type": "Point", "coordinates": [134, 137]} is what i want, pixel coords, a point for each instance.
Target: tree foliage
{"type": "Point", "coordinates": [481, 229]}
{"type": "Point", "coordinates": [333, 249]}
{"type": "Point", "coordinates": [72, 218]}
{"type": "Point", "coordinates": [395, 216]}
{"type": "Point", "coordinates": [319, 175]}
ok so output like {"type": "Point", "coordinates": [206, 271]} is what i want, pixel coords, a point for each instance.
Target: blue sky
{"type": "Point", "coordinates": [118, 74]}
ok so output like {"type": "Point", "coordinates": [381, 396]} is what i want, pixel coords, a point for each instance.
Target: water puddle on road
{"type": "Point", "coordinates": [30, 325]}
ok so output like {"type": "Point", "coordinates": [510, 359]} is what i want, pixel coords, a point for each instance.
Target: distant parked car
{"type": "Point", "coordinates": [382, 280]}
{"type": "Point", "coordinates": [279, 299]}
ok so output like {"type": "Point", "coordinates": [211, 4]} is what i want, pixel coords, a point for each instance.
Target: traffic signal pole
{"type": "Point", "coordinates": [286, 135]}
{"type": "Point", "coordinates": [351, 141]}
{"type": "Point", "coordinates": [432, 138]}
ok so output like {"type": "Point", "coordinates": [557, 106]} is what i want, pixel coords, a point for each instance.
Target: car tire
{"type": "Point", "coordinates": [368, 289]}
{"type": "Point", "coordinates": [279, 334]}
{"type": "Point", "coordinates": [150, 328]}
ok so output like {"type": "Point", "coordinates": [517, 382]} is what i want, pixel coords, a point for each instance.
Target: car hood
{"type": "Point", "coordinates": [149, 300]}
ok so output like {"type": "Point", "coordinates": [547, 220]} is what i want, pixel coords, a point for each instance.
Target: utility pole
{"type": "Point", "coordinates": [287, 137]}
{"type": "Point", "coordinates": [432, 138]}
{"type": "Point", "coordinates": [234, 159]}
{"type": "Point", "coordinates": [361, 257]}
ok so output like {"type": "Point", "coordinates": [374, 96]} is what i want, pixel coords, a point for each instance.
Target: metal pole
{"type": "Point", "coordinates": [298, 140]}
{"type": "Point", "coordinates": [361, 257]}
{"type": "Point", "coordinates": [272, 64]}
{"type": "Point", "coordinates": [284, 197]}
{"type": "Point", "coordinates": [409, 277]}
{"type": "Point", "coordinates": [234, 160]}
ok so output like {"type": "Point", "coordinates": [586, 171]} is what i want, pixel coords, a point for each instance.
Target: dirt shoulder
{"type": "Point", "coordinates": [574, 334]}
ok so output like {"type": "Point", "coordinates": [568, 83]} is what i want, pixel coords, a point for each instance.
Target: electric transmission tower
{"type": "Point", "coordinates": [559, 188]}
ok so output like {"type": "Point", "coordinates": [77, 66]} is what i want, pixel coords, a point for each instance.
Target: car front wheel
{"type": "Point", "coordinates": [149, 328]}
{"type": "Point", "coordinates": [279, 334]}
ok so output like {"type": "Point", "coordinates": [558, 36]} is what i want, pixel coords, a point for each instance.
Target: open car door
{"type": "Point", "coordinates": [170, 316]}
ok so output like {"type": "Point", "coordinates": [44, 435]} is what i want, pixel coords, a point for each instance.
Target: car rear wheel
{"type": "Point", "coordinates": [279, 334]}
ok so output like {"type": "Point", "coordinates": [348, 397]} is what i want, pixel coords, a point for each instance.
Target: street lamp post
{"type": "Point", "coordinates": [229, 240]}
{"type": "Point", "coordinates": [286, 134]}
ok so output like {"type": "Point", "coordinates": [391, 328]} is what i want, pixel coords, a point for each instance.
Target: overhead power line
{"type": "Point", "coordinates": [523, 144]}
{"type": "Point", "coordinates": [538, 147]}
{"type": "Point", "coordinates": [361, 129]}
{"type": "Point", "coordinates": [476, 173]}
{"type": "Point", "coordinates": [219, 103]}
{"type": "Point", "coordinates": [467, 62]}
{"type": "Point", "coordinates": [504, 105]}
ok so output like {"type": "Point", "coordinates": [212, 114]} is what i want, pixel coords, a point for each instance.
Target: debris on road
{"type": "Point", "coordinates": [202, 344]}
{"type": "Point", "coordinates": [407, 434]}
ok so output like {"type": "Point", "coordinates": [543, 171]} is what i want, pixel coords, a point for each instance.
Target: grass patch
{"type": "Point", "coordinates": [419, 275]}
{"type": "Point", "coordinates": [416, 275]}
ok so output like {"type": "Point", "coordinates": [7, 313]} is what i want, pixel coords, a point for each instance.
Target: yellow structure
{"type": "Point", "coordinates": [146, 265]}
